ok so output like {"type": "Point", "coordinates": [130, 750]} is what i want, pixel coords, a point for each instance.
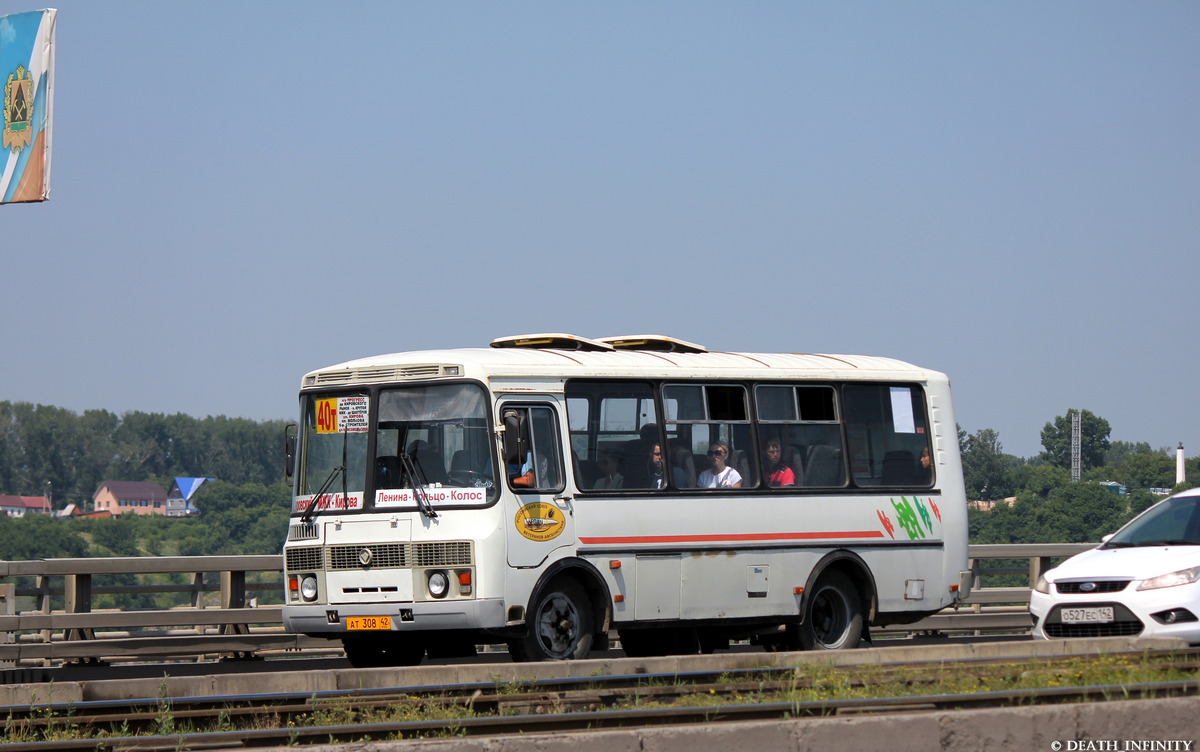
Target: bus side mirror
{"type": "Point", "coordinates": [513, 446]}
{"type": "Point", "coordinates": [289, 450]}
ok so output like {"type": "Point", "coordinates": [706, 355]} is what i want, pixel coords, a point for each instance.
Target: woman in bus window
{"type": "Point", "coordinates": [719, 475]}
{"type": "Point", "coordinates": [609, 465]}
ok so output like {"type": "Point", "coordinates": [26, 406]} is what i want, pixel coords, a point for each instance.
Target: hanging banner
{"type": "Point", "coordinates": [27, 85]}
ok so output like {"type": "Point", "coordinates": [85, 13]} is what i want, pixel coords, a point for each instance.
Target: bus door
{"type": "Point", "coordinates": [539, 517]}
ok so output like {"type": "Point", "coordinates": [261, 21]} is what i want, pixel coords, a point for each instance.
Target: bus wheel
{"type": "Point", "coordinates": [560, 625]}
{"type": "Point", "coordinates": [376, 652]}
{"type": "Point", "coordinates": [833, 617]}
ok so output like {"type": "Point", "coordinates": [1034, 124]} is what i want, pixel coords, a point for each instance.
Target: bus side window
{"type": "Point", "coordinates": [804, 420]}
{"type": "Point", "coordinates": [531, 448]}
{"type": "Point", "coordinates": [889, 435]}
{"type": "Point", "coordinates": [614, 430]}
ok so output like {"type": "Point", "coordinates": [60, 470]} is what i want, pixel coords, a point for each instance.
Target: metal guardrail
{"type": "Point", "coordinates": [236, 626]}
{"type": "Point", "coordinates": [995, 609]}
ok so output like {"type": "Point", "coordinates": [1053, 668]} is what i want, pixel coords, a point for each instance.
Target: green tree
{"type": "Point", "coordinates": [987, 470]}
{"type": "Point", "coordinates": [1119, 451]}
{"type": "Point", "coordinates": [1094, 431]}
{"type": "Point", "coordinates": [1040, 479]}
{"type": "Point", "coordinates": [1155, 470]}
{"type": "Point", "coordinates": [39, 536]}
{"type": "Point", "coordinates": [1139, 501]}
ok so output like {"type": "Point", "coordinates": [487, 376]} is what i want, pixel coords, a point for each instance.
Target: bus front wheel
{"type": "Point", "coordinates": [559, 626]}
{"type": "Point", "coordinates": [833, 617]}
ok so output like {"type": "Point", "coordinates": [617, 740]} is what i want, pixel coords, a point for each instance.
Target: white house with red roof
{"type": "Point", "coordinates": [19, 506]}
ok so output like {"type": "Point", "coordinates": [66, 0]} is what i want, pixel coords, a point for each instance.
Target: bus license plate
{"type": "Point", "coordinates": [368, 622]}
{"type": "Point", "coordinates": [1096, 615]}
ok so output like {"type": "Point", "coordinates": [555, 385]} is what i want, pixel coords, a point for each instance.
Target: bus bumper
{"type": "Point", "coordinates": [330, 620]}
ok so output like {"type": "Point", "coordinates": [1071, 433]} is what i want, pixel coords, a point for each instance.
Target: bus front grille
{"type": "Point", "coordinates": [305, 559]}
{"type": "Point", "coordinates": [303, 531]}
{"type": "Point", "coordinates": [373, 555]}
{"type": "Point", "coordinates": [442, 554]}
{"type": "Point", "coordinates": [382, 556]}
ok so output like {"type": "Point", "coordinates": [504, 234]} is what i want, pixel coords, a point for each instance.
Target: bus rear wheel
{"type": "Point", "coordinates": [559, 627]}
{"type": "Point", "coordinates": [380, 652]}
{"type": "Point", "coordinates": [833, 617]}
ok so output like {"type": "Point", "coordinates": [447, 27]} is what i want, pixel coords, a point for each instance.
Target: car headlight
{"type": "Point", "coordinates": [439, 584]}
{"type": "Point", "coordinates": [308, 588]}
{"type": "Point", "coordinates": [1182, 577]}
{"type": "Point", "coordinates": [1042, 586]}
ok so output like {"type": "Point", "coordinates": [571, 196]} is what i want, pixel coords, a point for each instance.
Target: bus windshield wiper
{"type": "Point", "coordinates": [312, 507]}
{"type": "Point", "coordinates": [416, 480]}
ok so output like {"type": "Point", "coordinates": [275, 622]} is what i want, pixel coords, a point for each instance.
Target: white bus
{"type": "Point", "coordinates": [551, 489]}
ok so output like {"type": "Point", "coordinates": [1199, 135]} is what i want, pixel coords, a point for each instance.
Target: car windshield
{"type": "Point", "coordinates": [1171, 522]}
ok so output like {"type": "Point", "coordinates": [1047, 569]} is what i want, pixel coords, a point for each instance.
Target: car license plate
{"type": "Point", "coordinates": [368, 622]}
{"type": "Point", "coordinates": [1093, 615]}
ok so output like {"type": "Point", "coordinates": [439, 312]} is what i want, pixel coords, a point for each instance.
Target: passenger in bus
{"type": "Point", "coordinates": [656, 469]}
{"type": "Point", "coordinates": [924, 467]}
{"type": "Point", "coordinates": [612, 478]}
{"type": "Point", "coordinates": [719, 475]}
{"type": "Point", "coordinates": [777, 472]}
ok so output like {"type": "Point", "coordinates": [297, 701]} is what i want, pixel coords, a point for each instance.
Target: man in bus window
{"type": "Point", "coordinates": [719, 475]}
{"type": "Point", "coordinates": [777, 472]}
{"type": "Point", "coordinates": [656, 465]}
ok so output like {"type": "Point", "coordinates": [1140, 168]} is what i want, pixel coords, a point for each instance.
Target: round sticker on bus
{"type": "Point", "coordinates": [540, 521]}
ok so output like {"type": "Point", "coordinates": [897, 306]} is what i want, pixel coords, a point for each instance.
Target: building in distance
{"type": "Point", "coordinates": [19, 506]}
{"type": "Point", "coordinates": [130, 497]}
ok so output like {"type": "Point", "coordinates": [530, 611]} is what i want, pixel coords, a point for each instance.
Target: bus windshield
{"type": "Point", "coordinates": [430, 438]}
{"type": "Point", "coordinates": [334, 460]}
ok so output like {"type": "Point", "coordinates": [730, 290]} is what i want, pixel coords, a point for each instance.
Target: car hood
{"type": "Point", "coordinates": [1135, 563]}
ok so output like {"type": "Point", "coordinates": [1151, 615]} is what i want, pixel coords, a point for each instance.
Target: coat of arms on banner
{"type": "Point", "coordinates": [18, 109]}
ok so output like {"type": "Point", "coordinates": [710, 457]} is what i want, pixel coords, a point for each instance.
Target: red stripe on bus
{"type": "Point", "coordinates": [734, 537]}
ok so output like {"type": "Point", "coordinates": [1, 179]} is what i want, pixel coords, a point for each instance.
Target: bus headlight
{"type": "Point", "coordinates": [308, 587]}
{"type": "Point", "coordinates": [439, 584]}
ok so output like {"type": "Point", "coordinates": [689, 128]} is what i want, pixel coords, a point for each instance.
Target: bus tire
{"type": "Point", "coordinates": [559, 627]}
{"type": "Point", "coordinates": [380, 652]}
{"type": "Point", "coordinates": [833, 616]}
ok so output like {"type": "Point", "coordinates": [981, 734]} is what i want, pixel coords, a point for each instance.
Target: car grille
{"type": "Point", "coordinates": [1113, 629]}
{"type": "Point", "coordinates": [383, 556]}
{"type": "Point", "coordinates": [1101, 586]}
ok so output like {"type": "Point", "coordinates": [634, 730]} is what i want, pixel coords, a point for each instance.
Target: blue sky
{"type": "Point", "coordinates": [243, 192]}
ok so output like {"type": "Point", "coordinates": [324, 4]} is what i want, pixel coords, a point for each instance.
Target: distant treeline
{"type": "Point", "coordinates": [52, 451]}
